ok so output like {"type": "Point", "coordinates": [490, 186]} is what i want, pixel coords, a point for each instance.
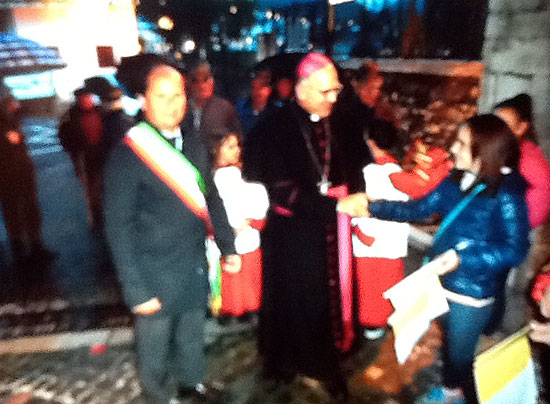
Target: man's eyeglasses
{"type": "Point", "coordinates": [325, 93]}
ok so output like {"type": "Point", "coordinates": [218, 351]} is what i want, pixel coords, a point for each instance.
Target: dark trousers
{"type": "Point", "coordinates": [170, 353]}
{"type": "Point", "coordinates": [462, 327]}
{"type": "Point", "coordinates": [22, 216]}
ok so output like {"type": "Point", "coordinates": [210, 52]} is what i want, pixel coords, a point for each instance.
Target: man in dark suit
{"type": "Point", "coordinates": [158, 208]}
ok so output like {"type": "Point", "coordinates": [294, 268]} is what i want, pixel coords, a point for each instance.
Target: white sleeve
{"type": "Point", "coordinates": [378, 182]}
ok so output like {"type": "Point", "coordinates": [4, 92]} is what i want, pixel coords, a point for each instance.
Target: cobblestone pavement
{"type": "Point", "coordinates": [79, 295]}
{"type": "Point", "coordinates": [79, 377]}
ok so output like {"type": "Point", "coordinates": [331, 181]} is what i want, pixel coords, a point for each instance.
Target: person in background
{"type": "Point", "coordinates": [69, 131]}
{"type": "Point", "coordinates": [80, 134]}
{"type": "Point", "coordinates": [159, 207]}
{"type": "Point", "coordinates": [517, 112]}
{"type": "Point", "coordinates": [353, 117]}
{"type": "Point", "coordinates": [246, 204]}
{"type": "Point", "coordinates": [251, 108]}
{"type": "Point", "coordinates": [115, 121]}
{"type": "Point", "coordinates": [207, 113]}
{"type": "Point", "coordinates": [379, 245]}
{"type": "Point", "coordinates": [484, 232]}
{"type": "Point", "coordinates": [18, 192]}
{"type": "Point", "coordinates": [284, 91]}
{"type": "Point", "coordinates": [540, 328]}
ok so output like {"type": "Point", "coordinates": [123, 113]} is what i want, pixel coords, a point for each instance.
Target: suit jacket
{"type": "Point", "coordinates": [157, 243]}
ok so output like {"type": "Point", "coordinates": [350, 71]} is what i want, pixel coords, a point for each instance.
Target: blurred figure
{"type": "Point", "coordinates": [284, 91]}
{"type": "Point", "coordinates": [69, 131]}
{"type": "Point", "coordinates": [80, 134]}
{"type": "Point", "coordinates": [18, 193]}
{"type": "Point", "coordinates": [207, 113]}
{"type": "Point", "coordinates": [246, 204]}
{"type": "Point", "coordinates": [517, 112]}
{"type": "Point", "coordinates": [251, 108]}
{"type": "Point", "coordinates": [484, 232]}
{"type": "Point", "coordinates": [379, 246]}
{"type": "Point", "coordinates": [115, 121]}
{"type": "Point", "coordinates": [153, 188]}
{"type": "Point", "coordinates": [353, 117]}
{"type": "Point", "coordinates": [540, 328]}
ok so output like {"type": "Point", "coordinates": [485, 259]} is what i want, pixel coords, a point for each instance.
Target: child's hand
{"type": "Point", "coordinates": [354, 205]}
{"type": "Point", "coordinates": [446, 262]}
{"type": "Point", "coordinates": [232, 263]}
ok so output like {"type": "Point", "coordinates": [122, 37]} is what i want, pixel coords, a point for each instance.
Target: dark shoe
{"type": "Point", "coordinates": [207, 393]}
{"type": "Point", "coordinates": [43, 255]}
{"type": "Point", "coordinates": [338, 389]}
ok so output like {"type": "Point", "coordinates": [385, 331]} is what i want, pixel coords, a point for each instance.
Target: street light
{"type": "Point", "coordinates": [166, 23]}
{"type": "Point", "coordinates": [188, 46]}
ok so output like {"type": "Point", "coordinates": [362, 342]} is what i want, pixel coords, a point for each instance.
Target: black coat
{"type": "Point", "coordinates": [157, 243]}
{"type": "Point", "coordinates": [295, 333]}
{"type": "Point", "coordinates": [353, 121]}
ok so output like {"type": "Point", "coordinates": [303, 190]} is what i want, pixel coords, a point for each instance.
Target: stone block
{"type": "Point", "coordinates": [521, 57]}
{"type": "Point", "coordinates": [508, 86]}
{"type": "Point", "coordinates": [540, 91]}
{"type": "Point", "coordinates": [530, 25]}
{"type": "Point", "coordinates": [529, 5]}
{"type": "Point", "coordinates": [497, 25]}
{"type": "Point", "coordinates": [488, 90]}
{"type": "Point", "coordinates": [504, 6]}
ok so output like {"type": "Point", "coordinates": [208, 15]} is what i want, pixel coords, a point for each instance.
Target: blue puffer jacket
{"type": "Point", "coordinates": [490, 235]}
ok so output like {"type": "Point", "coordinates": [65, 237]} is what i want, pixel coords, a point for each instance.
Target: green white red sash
{"type": "Point", "coordinates": [170, 166]}
{"type": "Point", "coordinates": [183, 178]}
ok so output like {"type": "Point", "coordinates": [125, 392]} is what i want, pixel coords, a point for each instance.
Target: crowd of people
{"type": "Point", "coordinates": [271, 185]}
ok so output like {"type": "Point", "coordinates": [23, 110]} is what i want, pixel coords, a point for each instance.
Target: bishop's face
{"type": "Point", "coordinates": [318, 93]}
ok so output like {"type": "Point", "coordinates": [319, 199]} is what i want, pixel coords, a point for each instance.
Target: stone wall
{"type": "Point", "coordinates": [516, 55]}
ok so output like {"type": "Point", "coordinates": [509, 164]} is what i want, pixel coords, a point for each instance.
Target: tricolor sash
{"type": "Point", "coordinates": [183, 178]}
{"type": "Point", "coordinates": [170, 166]}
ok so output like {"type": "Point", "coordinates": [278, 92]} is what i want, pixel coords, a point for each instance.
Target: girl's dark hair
{"type": "Point", "coordinates": [386, 136]}
{"type": "Point", "coordinates": [494, 144]}
{"type": "Point", "coordinates": [218, 136]}
{"type": "Point", "coordinates": [523, 105]}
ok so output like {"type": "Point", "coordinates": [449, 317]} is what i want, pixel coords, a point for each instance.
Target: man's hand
{"type": "Point", "coordinates": [446, 262]}
{"type": "Point", "coordinates": [232, 263]}
{"type": "Point", "coordinates": [148, 308]}
{"type": "Point", "coordinates": [354, 205]}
